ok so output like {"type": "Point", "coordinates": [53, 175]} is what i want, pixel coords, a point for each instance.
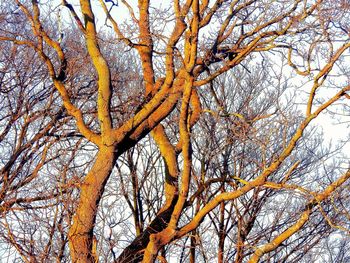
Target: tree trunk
{"type": "Point", "coordinates": [81, 231]}
{"type": "Point", "coordinates": [193, 247]}
{"type": "Point", "coordinates": [222, 233]}
{"type": "Point", "coordinates": [134, 252]}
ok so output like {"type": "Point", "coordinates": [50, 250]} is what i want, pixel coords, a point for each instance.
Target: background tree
{"type": "Point", "coordinates": [230, 153]}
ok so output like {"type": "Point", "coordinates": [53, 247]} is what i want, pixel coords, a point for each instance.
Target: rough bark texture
{"type": "Point", "coordinates": [134, 252]}
{"type": "Point", "coordinates": [81, 231]}
{"type": "Point", "coordinates": [177, 66]}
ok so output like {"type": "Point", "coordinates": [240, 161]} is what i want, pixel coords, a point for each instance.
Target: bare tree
{"type": "Point", "coordinates": [229, 152]}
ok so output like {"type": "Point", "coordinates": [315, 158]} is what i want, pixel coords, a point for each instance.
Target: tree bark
{"type": "Point", "coordinates": [134, 252]}
{"type": "Point", "coordinates": [222, 233]}
{"type": "Point", "coordinates": [81, 231]}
